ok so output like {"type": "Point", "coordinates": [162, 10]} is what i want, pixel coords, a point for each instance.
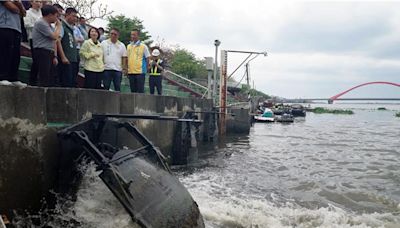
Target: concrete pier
{"type": "Point", "coordinates": [29, 148]}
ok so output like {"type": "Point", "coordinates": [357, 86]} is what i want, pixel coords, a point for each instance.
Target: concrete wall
{"type": "Point", "coordinates": [28, 169]}
{"type": "Point", "coordinates": [28, 164]}
{"type": "Point", "coordinates": [239, 122]}
{"type": "Point", "coordinates": [28, 103]}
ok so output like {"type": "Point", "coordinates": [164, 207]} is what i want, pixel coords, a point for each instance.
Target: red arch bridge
{"type": "Point", "coordinates": [337, 96]}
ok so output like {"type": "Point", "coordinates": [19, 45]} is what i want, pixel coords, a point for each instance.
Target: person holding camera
{"type": "Point", "coordinates": [157, 66]}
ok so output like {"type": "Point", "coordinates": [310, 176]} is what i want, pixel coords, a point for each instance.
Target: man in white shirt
{"type": "Point", "coordinates": [32, 16]}
{"type": "Point", "coordinates": [114, 60]}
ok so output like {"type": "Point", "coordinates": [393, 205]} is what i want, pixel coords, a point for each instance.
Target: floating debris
{"type": "Point", "coordinates": [320, 110]}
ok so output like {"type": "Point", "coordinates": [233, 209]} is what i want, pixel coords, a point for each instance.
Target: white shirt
{"type": "Point", "coordinates": [32, 16]}
{"type": "Point", "coordinates": [78, 36]}
{"type": "Point", "coordinates": [113, 54]}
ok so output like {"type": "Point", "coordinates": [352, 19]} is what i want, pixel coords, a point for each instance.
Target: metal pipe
{"type": "Point", "coordinates": [239, 66]}
{"type": "Point", "coordinates": [188, 80]}
{"type": "Point", "coordinates": [209, 95]}
{"type": "Point", "coordinates": [145, 117]}
{"type": "Point", "coordinates": [214, 89]}
{"type": "Point", "coordinates": [249, 52]}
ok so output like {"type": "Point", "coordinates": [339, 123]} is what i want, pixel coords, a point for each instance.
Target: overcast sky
{"type": "Point", "coordinates": [315, 48]}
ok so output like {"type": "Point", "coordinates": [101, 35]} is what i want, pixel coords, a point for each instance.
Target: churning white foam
{"type": "Point", "coordinates": [96, 206]}
{"type": "Point", "coordinates": [227, 210]}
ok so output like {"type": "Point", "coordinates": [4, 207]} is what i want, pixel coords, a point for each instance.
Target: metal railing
{"type": "Point", "coordinates": [189, 83]}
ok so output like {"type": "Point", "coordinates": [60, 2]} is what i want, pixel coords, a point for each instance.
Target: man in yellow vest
{"type": "Point", "coordinates": [138, 60]}
{"type": "Point", "coordinates": [156, 68]}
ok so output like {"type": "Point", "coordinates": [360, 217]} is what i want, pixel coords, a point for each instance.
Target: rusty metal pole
{"type": "Point", "coordinates": [223, 93]}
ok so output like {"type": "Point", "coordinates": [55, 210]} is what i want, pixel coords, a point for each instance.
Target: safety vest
{"type": "Point", "coordinates": [137, 63]}
{"type": "Point", "coordinates": [154, 70]}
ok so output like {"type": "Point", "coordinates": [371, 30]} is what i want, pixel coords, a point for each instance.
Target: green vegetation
{"type": "Point", "coordinates": [382, 109]}
{"type": "Point", "coordinates": [254, 93]}
{"type": "Point", "coordinates": [184, 62]}
{"type": "Point", "coordinates": [126, 25]}
{"type": "Point", "coordinates": [398, 114]}
{"type": "Point", "coordinates": [320, 110]}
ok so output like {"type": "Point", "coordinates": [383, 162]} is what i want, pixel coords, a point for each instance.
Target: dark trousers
{"type": "Point", "coordinates": [136, 82]}
{"type": "Point", "coordinates": [93, 79]}
{"type": "Point", "coordinates": [34, 69]}
{"type": "Point", "coordinates": [155, 82]}
{"type": "Point", "coordinates": [67, 74]}
{"type": "Point", "coordinates": [24, 35]}
{"type": "Point", "coordinates": [9, 54]}
{"type": "Point", "coordinates": [115, 77]}
{"type": "Point", "coordinates": [76, 70]}
{"type": "Point", "coordinates": [43, 60]}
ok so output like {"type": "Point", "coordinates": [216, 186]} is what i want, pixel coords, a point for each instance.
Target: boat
{"type": "Point", "coordinates": [298, 111]}
{"type": "Point", "coordinates": [267, 116]}
{"type": "Point", "coordinates": [285, 118]}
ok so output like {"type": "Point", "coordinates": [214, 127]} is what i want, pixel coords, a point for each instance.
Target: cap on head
{"type": "Point", "coordinates": [155, 52]}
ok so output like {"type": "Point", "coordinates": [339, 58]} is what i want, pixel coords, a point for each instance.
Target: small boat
{"type": "Point", "coordinates": [278, 111]}
{"type": "Point", "coordinates": [298, 111]}
{"type": "Point", "coordinates": [267, 116]}
{"type": "Point", "coordinates": [285, 118]}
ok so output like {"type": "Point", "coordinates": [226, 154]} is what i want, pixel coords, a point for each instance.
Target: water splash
{"type": "Point", "coordinates": [95, 207]}
{"type": "Point", "coordinates": [225, 210]}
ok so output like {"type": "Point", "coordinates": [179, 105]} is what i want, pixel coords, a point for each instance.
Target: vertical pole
{"type": "Point", "coordinates": [247, 75]}
{"type": "Point", "coordinates": [214, 89]}
{"type": "Point", "coordinates": [209, 87]}
{"type": "Point", "coordinates": [223, 93]}
{"type": "Point", "coordinates": [210, 68]}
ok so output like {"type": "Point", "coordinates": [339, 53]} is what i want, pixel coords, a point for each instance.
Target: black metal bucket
{"type": "Point", "coordinates": [139, 178]}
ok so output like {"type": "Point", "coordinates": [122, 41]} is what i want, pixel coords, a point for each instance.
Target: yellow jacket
{"type": "Point", "coordinates": [92, 54]}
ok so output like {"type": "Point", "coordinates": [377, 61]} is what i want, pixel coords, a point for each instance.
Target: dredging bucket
{"type": "Point", "coordinates": [139, 178]}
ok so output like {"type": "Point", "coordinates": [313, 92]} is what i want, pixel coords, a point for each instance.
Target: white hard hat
{"type": "Point", "coordinates": [155, 52]}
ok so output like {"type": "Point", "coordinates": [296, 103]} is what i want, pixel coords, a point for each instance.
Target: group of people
{"type": "Point", "coordinates": [61, 42]}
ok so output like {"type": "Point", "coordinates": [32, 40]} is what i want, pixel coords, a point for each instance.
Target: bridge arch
{"type": "Point", "coordinates": [355, 87]}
